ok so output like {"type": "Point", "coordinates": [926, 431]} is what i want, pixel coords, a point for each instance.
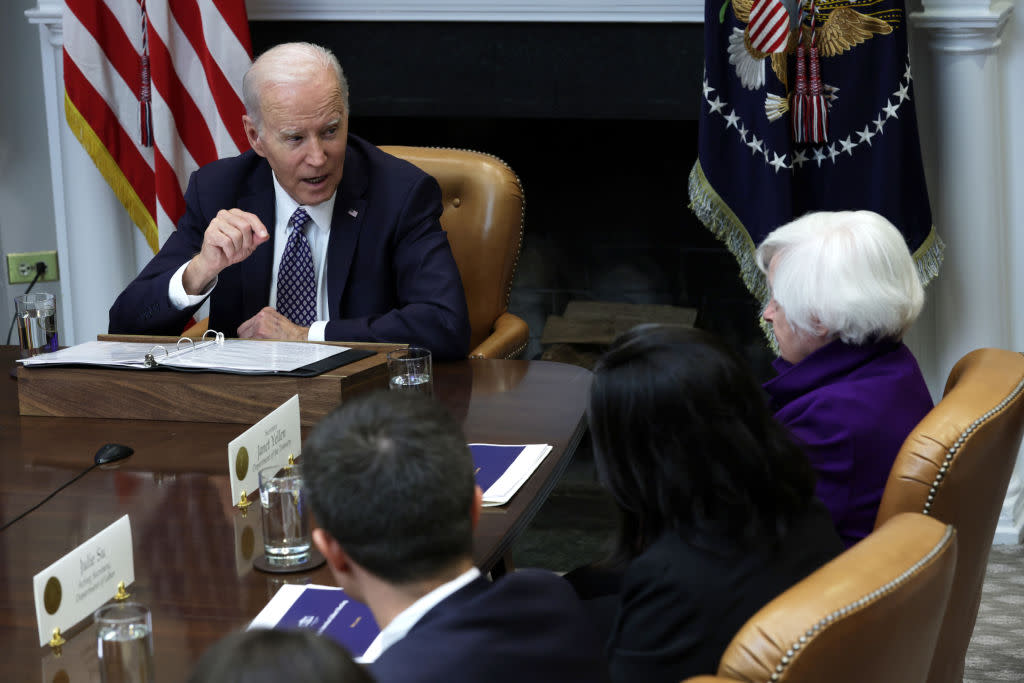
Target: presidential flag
{"type": "Point", "coordinates": [153, 92]}
{"type": "Point", "coordinates": [808, 105]}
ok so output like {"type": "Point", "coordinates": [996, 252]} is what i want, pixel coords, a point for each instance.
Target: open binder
{"type": "Point", "coordinates": [213, 353]}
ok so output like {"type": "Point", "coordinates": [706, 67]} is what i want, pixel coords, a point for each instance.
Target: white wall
{"type": "Point", "coordinates": [26, 193]}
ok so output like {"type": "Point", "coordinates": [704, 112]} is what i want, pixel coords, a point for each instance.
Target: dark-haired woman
{"type": "Point", "coordinates": [717, 503]}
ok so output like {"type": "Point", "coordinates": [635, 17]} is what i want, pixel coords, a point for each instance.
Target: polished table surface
{"type": "Point", "coordinates": [192, 548]}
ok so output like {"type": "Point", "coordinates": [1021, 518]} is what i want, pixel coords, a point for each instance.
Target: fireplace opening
{"type": "Point", "coordinates": [607, 218]}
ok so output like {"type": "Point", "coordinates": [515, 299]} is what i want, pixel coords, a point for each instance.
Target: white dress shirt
{"type": "Point", "coordinates": [318, 232]}
{"type": "Point", "coordinates": [410, 616]}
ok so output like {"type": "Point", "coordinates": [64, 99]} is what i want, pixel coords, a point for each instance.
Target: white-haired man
{"type": "Point", "coordinates": [313, 234]}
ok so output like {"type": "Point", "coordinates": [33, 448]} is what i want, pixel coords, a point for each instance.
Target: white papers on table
{"type": "Point", "coordinates": [230, 355]}
{"type": "Point", "coordinates": [515, 473]}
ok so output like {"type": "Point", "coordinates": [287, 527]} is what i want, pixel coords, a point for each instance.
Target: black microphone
{"type": "Point", "coordinates": [111, 452]}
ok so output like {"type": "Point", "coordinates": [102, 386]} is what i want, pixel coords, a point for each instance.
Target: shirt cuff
{"type": "Point", "coordinates": [317, 331]}
{"type": "Point", "coordinates": [181, 299]}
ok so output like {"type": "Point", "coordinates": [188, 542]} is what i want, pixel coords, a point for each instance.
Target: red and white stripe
{"type": "Point", "coordinates": [198, 52]}
{"type": "Point", "coordinates": [768, 29]}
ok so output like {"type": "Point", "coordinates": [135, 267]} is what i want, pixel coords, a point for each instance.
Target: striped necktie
{"type": "Point", "coordinates": [296, 279]}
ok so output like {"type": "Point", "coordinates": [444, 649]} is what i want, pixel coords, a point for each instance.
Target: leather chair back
{"type": "Point", "coordinates": [483, 216]}
{"type": "Point", "coordinates": [871, 614]}
{"type": "Point", "coordinates": [955, 466]}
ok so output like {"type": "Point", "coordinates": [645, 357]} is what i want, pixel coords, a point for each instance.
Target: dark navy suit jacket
{"type": "Point", "coordinates": [390, 271]}
{"type": "Point", "coordinates": [527, 626]}
{"type": "Point", "coordinates": [682, 602]}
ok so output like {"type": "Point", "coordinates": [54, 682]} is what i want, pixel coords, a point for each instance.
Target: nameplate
{"type": "Point", "coordinates": [73, 587]}
{"type": "Point", "coordinates": [267, 443]}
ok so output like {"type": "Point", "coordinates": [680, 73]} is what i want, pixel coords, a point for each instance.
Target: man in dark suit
{"type": "Point", "coordinates": [313, 234]}
{"type": "Point", "coordinates": [391, 483]}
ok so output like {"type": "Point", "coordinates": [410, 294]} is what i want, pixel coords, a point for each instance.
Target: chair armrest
{"type": "Point", "coordinates": [507, 339]}
{"type": "Point", "coordinates": [197, 330]}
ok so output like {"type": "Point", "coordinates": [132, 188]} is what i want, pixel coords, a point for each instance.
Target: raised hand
{"type": "Point", "coordinates": [230, 238]}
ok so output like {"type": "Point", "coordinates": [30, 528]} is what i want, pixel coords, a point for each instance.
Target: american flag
{"type": "Point", "coordinates": [153, 92]}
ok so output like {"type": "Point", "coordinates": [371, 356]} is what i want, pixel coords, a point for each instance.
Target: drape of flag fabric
{"type": "Point", "coordinates": [152, 90]}
{"type": "Point", "coordinates": [860, 146]}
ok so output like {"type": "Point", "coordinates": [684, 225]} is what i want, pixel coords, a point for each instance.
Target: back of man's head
{"type": "Point", "coordinates": [390, 477]}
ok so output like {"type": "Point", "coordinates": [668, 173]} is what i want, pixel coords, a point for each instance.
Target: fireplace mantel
{"type": "Point", "coordinates": [632, 11]}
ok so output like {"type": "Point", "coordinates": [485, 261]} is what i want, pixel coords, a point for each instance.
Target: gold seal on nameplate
{"type": "Point", "coordinates": [61, 677]}
{"type": "Point", "coordinates": [51, 595]}
{"type": "Point", "coordinates": [241, 463]}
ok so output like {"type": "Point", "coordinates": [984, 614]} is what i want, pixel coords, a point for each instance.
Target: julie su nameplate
{"type": "Point", "coordinates": [73, 587]}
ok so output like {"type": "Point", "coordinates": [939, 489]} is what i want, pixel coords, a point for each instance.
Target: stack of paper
{"type": "Point", "coordinates": [502, 469]}
{"type": "Point", "coordinates": [242, 356]}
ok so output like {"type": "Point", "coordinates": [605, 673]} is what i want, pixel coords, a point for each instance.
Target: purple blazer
{"type": "Point", "coordinates": [851, 407]}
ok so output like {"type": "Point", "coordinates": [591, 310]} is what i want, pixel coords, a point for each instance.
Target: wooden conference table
{"type": "Point", "coordinates": [193, 549]}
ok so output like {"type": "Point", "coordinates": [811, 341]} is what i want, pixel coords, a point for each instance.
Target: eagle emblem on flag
{"type": "Point", "coordinates": [808, 105]}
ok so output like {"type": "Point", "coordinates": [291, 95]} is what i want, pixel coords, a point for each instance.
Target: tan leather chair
{"type": "Point", "coordinates": [956, 466]}
{"type": "Point", "coordinates": [483, 216]}
{"type": "Point", "coordinates": [871, 614]}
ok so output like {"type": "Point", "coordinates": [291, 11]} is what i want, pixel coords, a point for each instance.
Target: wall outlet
{"type": "Point", "coordinates": [21, 268]}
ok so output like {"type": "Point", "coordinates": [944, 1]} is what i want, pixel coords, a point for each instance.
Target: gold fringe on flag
{"type": "Point", "coordinates": [111, 172]}
{"type": "Point", "coordinates": [717, 217]}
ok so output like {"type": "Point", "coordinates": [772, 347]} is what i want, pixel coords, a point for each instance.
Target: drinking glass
{"type": "Point", "coordinates": [411, 369]}
{"type": "Point", "coordinates": [36, 316]}
{"type": "Point", "coordinates": [287, 527]}
{"type": "Point", "coordinates": [124, 639]}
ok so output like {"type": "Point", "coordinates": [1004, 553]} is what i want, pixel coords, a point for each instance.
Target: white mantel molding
{"type": "Point", "coordinates": [51, 17]}
{"type": "Point", "coordinates": [49, 12]}
{"type": "Point", "coordinates": [628, 11]}
{"type": "Point", "coordinates": [965, 30]}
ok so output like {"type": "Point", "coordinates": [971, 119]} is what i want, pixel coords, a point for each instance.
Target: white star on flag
{"type": "Point", "coordinates": [779, 162]}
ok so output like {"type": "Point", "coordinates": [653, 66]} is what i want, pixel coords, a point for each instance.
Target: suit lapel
{"type": "Point", "coordinates": [346, 224]}
{"type": "Point", "coordinates": [256, 269]}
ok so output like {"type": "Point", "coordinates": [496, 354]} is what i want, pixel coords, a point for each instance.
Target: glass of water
{"type": "Point", "coordinates": [287, 527]}
{"type": "Point", "coordinates": [124, 638]}
{"type": "Point", "coordinates": [36, 316]}
{"type": "Point", "coordinates": [411, 369]}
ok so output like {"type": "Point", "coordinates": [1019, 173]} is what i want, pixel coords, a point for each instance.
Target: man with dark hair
{"type": "Point", "coordinates": [390, 481]}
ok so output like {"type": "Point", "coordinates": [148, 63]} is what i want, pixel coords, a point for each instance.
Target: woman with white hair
{"type": "Point", "coordinates": [844, 290]}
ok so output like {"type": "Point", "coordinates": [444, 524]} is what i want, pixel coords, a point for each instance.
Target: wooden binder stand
{"type": "Point", "coordinates": [188, 396]}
